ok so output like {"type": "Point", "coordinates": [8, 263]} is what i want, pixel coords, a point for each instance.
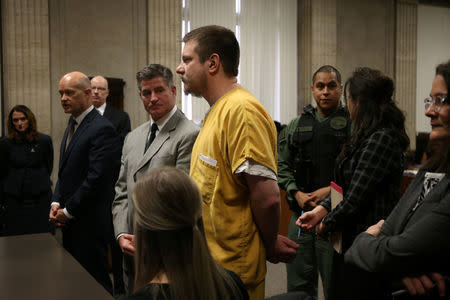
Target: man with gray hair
{"type": "Point", "coordinates": [165, 140]}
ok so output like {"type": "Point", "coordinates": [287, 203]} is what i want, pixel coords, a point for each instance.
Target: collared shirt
{"type": "Point", "coordinates": [78, 120]}
{"type": "Point", "coordinates": [162, 121]}
{"type": "Point", "coordinates": [102, 108]}
{"type": "Point", "coordinates": [81, 117]}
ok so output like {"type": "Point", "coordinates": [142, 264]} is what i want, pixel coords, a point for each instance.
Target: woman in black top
{"type": "Point", "coordinates": [27, 161]}
{"type": "Point", "coordinates": [172, 260]}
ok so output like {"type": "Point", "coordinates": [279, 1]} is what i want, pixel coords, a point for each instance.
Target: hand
{"type": "Point", "coordinates": [309, 219]}
{"type": "Point", "coordinates": [52, 213]}
{"type": "Point", "coordinates": [320, 194]}
{"type": "Point", "coordinates": [423, 284]}
{"type": "Point", "coordinates": [285, 250]}
{"type": "Point", "coordinates": [61, 218]}
{"type": "Point", "coordinates": [375, 229]}
{"type": "Point", "coordinates": [304, 200]}
{"type": "Point", "coordinates": [126, 243]}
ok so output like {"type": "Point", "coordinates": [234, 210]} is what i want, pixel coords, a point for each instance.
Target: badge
{"type": "Point", "coordinates": [338, 123]}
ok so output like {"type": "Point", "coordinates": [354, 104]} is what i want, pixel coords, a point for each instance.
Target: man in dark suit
{"type": "Point", "coordinates": [165, 140]}
{"type": "Point", "coordinates": [81, 200]}
{"type": "Point", "coordinates": [119, 119]}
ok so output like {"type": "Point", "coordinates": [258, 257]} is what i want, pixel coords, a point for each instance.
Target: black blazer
{"type": "Point", "coordinates": [26, 167]}
{"type": "Point", "coordinates": [85, 184]}
{"type": "Point", "coordinates": [119, 119]}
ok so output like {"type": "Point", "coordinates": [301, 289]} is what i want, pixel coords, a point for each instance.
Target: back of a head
{"type": "Point", "coordinates": [216, 39]}
{"type": "Point", "coordinates": [169, 237]}
{"type": "Point", "coordinates": [376, 109]}
{"type": "Point", "coordinates": [166, 199]}
{"type": "Point", "coordinates": [369, 86]}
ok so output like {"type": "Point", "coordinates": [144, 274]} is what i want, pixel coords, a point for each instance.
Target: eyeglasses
{"type": "Point", "coordinates": [100, 89]}
{"type": "Point", "coordinates": [437, 101]}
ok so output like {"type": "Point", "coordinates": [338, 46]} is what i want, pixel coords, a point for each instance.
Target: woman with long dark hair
{"type": "Point", "coordinates": [414, 239]}
{"type": "Point", "coordinates": [172, 260]}
{"type": "Point", "coordinates": [370, 167]}
{"type": "Point", "coordinates": [27, 161]}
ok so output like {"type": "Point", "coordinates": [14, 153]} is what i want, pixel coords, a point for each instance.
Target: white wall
{"type": "Point", "coordinates": [433, 48]}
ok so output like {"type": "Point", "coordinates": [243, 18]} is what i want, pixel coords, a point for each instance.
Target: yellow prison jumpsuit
{"type": "Point", "coordinates": [237, 128]}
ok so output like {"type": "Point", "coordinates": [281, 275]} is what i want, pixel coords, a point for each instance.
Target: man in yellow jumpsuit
{"type": "Point", "coordinates": [234, 161]}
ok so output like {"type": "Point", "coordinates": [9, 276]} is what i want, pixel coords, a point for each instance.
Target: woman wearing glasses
{"type": "Point", "coordinates": [26, 160]}
{"type": "Point", "coordinates": [413, 243]}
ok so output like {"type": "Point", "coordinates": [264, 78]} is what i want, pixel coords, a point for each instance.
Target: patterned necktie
{"type": "Point", "coordinates": [152, 136]}
{"type": "Point", "coordinates": [71, 126]}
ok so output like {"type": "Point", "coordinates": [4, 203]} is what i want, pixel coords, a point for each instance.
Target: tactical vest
{"type": "Point", "coordinates": [317, 146]}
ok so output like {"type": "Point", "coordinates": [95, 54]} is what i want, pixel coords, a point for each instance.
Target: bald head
{"type": "Point", "coordinates": [100, 90]}
{"type": "Point", "coordinates": [75, 91]}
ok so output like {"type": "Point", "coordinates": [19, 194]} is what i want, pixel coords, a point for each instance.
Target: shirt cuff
{"type": "Point", "coordinates": [67, 213]}
{"type": "Point", "coordinates": [120, 234]}
{"type": "Point", "coordinates": [54, 203]}
{"type": "Point", "coordinates": [254, 168]}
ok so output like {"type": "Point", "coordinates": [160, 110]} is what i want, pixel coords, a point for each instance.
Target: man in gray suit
{"type": "Point", "coordinates": [166, 140]}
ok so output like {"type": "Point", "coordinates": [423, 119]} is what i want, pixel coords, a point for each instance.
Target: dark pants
{"type": "Point", "coordinates": [27, 214]}
{"type": "Point", "coordinates": [313, 256]}
{"type": "Point", "coordinates": [117, 269]}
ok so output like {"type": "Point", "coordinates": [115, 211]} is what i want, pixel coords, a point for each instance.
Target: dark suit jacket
{"type": "Point", "coordinates": [26, 168]}
{"type": "Point", "coordinates": [416, 244]}
{"type": "Point", "coordinates": [119, 119]}
{"type": "Point", "coordinates": [85, 184]}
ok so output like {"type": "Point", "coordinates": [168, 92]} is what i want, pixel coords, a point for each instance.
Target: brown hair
{"type": "Point", "coordinates": [31, 134]}
{"type": "Point", "coordinates": [169, 238]}
{"type": "Point", "coordinates": [216, 39]}
{"type": "Point", "coordinates": [376, 108]}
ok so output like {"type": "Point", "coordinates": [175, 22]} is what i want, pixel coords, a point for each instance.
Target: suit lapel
{"type": "Point", "coordinates": [76, 136]}
{"type": "Point", "coordinates": [107, 112]}
{"type": "Point", "coordinates": [63, 146]}
{"type": "Point", "coordinates": [434, 195]}
{"type": "Point", "coordinates": [160, 139]}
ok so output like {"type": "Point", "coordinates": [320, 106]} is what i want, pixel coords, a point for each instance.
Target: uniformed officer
{"type": "Point", "coordinates": [307, 150]}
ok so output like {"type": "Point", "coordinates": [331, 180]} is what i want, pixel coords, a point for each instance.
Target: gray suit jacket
{"type": "Point", "coordinates": [419, 243]}
{"type": "Point", "coordinates": [171, 147]}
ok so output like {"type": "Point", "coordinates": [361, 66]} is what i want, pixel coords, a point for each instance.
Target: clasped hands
{"type": "Point", "coordinates": [57, 216]}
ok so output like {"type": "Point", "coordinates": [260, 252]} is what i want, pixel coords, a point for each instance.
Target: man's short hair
{"type": "Point", "coordinates": [327, 69]}
{"type": "Point", "coordinates": [220, 40]}
{"type": "Point", "coordinates": [152, 71]}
